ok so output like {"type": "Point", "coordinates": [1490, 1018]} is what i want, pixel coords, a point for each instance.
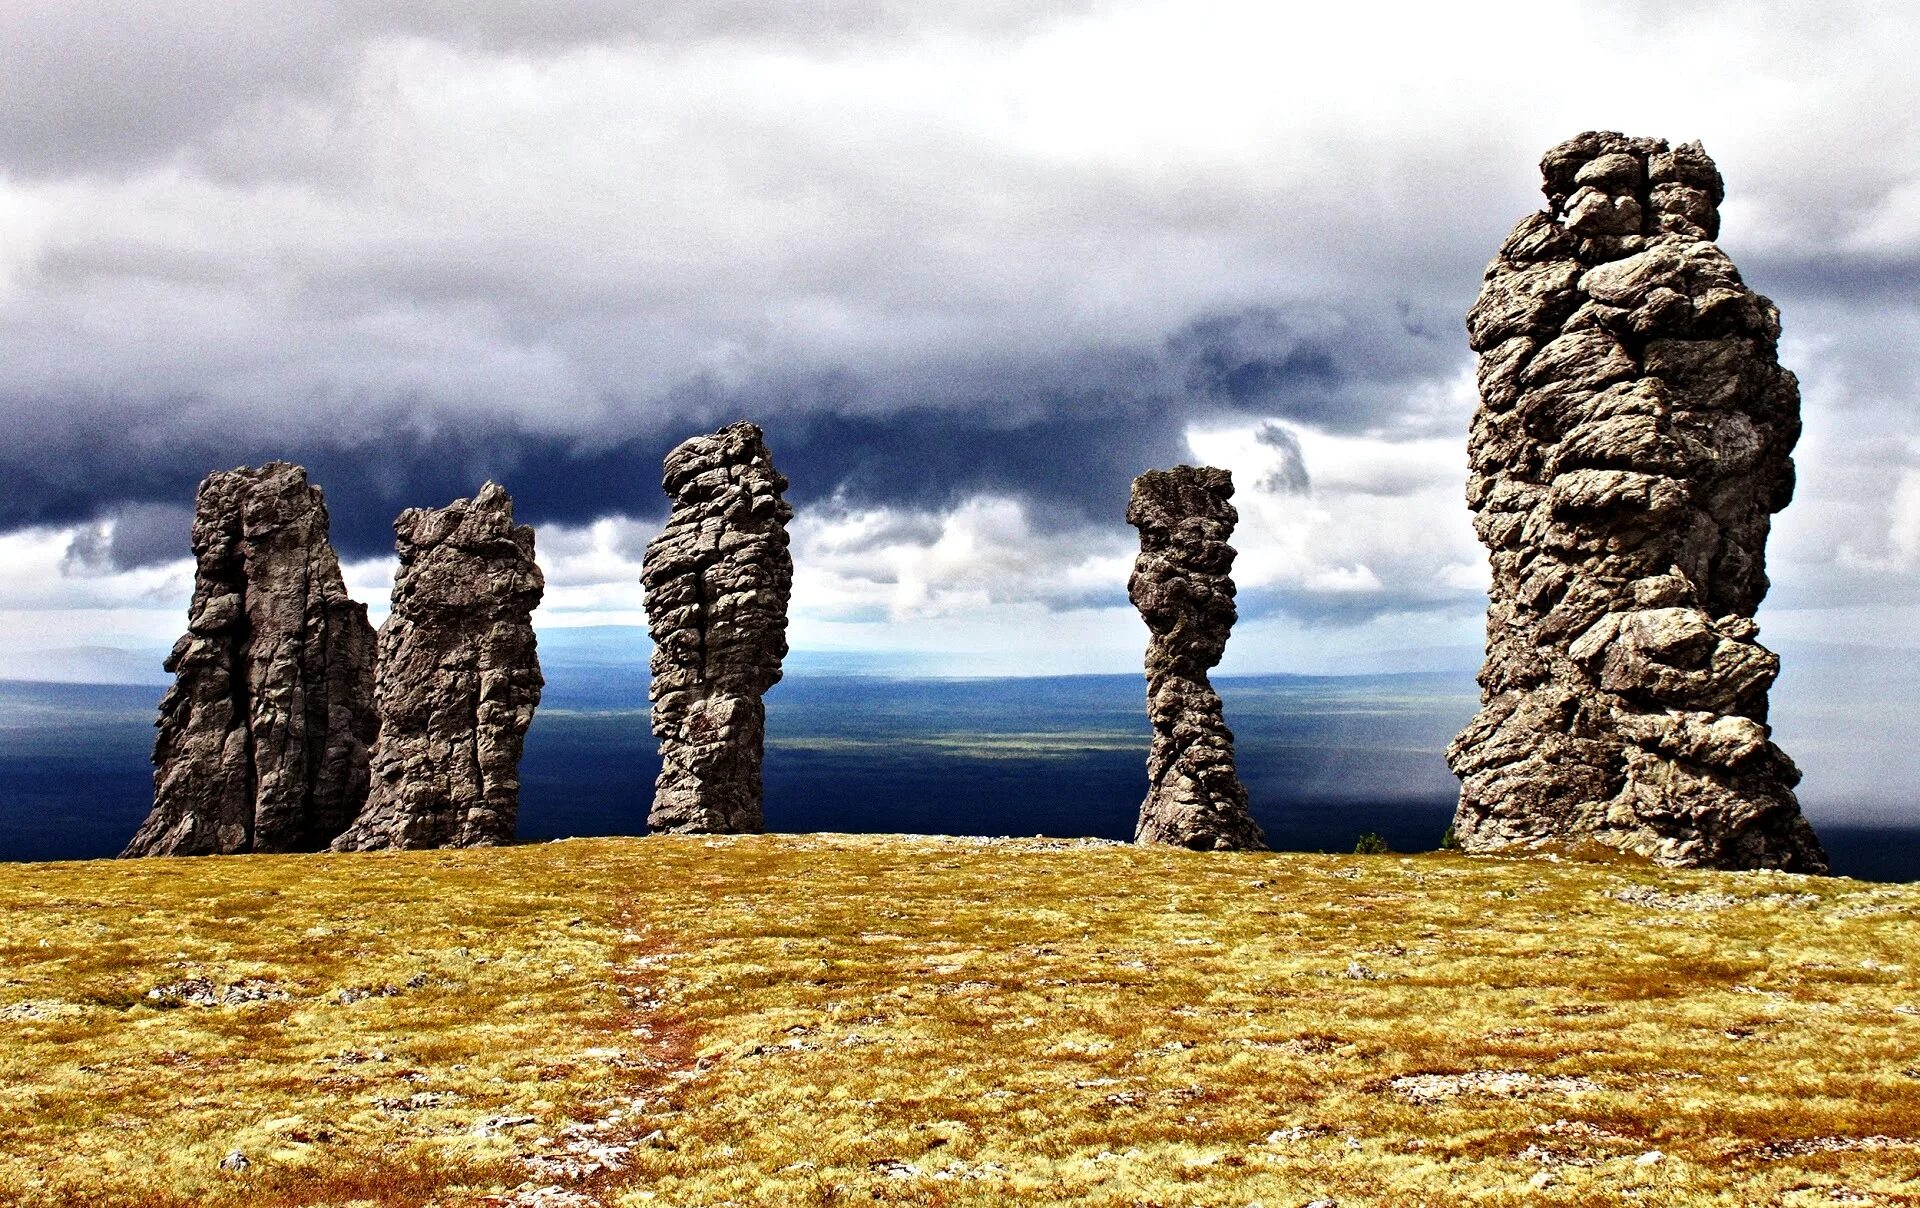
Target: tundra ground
{"type": "Point", "coordinates": [839, 1020]}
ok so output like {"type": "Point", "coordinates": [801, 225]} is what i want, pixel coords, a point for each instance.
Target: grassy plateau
{"type": "Point", "coordinates": [807, 1019]}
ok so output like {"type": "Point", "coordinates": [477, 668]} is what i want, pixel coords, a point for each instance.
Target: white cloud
{"type": "Point", "coordinates": [1381, 523]}
{"type": "Point", "coordinates": [1903, 531]}
{"type": "Point", "coordinates": [1893, 545]}
{"type": "Point", "coordinates": [37, 572]}
{"type": "Point", "coordinates": [45, 607]}
{"type": "Point", "coordinates": [1891, 224]}
{"type": "Point", "coordinates": [981, 553]}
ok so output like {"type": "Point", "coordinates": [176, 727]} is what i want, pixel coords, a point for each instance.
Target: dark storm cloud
{"type": "Point", "coordinates": [1341, 368]}
{"type": "Point", "coordinates": [1854, 279]}
{"type": "Point", "coordinates": [130, 536]}
{"type": "Point", "coordinates": [1068, 435]}
{"type": "Point", "coordinates": [367, 485]}
{"type": "Point", "coordinates": [1290, 477]}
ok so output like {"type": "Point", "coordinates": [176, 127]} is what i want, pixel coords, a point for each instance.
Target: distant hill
{"type": "Point", "coordinates": [873, 742]}
{"type": "Point", "coordinates": [86, 665]}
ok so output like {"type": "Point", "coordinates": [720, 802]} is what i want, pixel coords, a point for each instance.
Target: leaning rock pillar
{"type": "Point", "coordinates": [1632, 443]}
{"type": "Point", "coordinates": [717, 581]}
{"type": "Point", "coordinates": [458, 682]}
{"type": "Point", "coordinates": [1182, 584]}
{"type": "Point", "coordinates": [264, 734]}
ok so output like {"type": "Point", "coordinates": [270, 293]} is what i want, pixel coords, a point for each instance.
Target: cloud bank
{"type": "Point", "coordinates": [971, 272]}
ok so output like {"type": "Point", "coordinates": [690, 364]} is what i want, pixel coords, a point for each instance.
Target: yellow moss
{"type": "Point", "coordinates": [818, 1019]}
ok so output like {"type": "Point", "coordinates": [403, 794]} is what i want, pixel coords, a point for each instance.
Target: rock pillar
{"type": "Point", "coordinates": [263, 737]}
{"type": "Point", "coordinates": [458, 680]}
{"type": "Point", "coordinates": [717, 581]}
{"type": "Point", "coordinates": [1182, 584]}
{"type": "Point", "coordinates": [1632, 443]}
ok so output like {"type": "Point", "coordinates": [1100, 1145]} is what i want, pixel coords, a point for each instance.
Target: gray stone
{"type": "Point", "coordinates": [717, 582]}
{"type": "Point", "coordinates": [263, 737]}
{"type": "Point", "coordinates": [1632, 443]}
{"type": "Point", "coordinates": [458, 680]}
{"type": "Point", "coordinates": [1182, 583]}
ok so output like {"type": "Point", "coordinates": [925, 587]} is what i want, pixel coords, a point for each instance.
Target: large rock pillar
{"type": "Point", "coordinates": [1182, 584]}
{"type": "Point", "coordinates": [458, 681]}
{"type": "Point", "coordinates": [717, 581]}
{"type": "Point", "coordinates": [1632, 442]}
{"type": "Point", "coordinates": [264, 735]}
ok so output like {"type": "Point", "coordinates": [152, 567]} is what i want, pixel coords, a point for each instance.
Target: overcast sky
{"type": "Point", "coordinates": [971, 272]}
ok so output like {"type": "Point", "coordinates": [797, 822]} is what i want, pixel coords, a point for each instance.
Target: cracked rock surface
{"type": "Point", "coordinates": [717, 583]}
{"type": "Point", "coordinates": [1182, 583]}
{"type": "Point", "coordinates": [263, 737]}
{"type": "Point", "coordinates": [1632, 443]}
{"type": "Point", "coordinates": [458, 680]}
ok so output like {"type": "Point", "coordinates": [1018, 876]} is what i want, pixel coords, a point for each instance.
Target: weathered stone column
{"type": "Point", "coordinates": [458, 682]}
{"type": "Point", "coordinates": [717, 582]}
{"type": "Point", "coordinates": [264, 735]}
{"type": "Point", "coordinates": [1631, 446]}
{"type": "Point", "coordinates": [1182, 584]}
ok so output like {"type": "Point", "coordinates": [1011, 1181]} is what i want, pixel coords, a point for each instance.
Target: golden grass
{"type": "Point", "coordinates": [827, 1020]}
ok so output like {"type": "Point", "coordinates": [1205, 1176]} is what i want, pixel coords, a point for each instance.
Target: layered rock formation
{"type": "Point", "coordinates": [264, 735]}
{"type": "Point", "coordinates": [717, 582]}
{"type": "Point", "coordinates": [1182, 583]}
{"type": "Point", "coordinates": [458, 680]}
{"type": "Point", "coordinates": [1631, 446]}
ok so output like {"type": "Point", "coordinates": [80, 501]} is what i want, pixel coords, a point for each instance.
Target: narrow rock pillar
{"type": "Point", "coordinates": [717, 582]}
{"type": "Point", "coordinates": [1182, 584]}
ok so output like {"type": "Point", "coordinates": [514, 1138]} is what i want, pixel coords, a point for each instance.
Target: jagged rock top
{"type": "Point", "coordinates": [468, 552]}
{"type": "Point", "coordinates": [733, 462]}
{"type": "Point", "coordinates": [1182, 580]}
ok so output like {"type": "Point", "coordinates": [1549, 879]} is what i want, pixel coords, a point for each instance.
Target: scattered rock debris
{"type": "Point", "coordinates": [187, 992]}
{"type": "Point", "coordinates": [1505, 1084]}
{"type": "Point", "coordinates": [35, 1009]}
{"type": "Point", "coordinates": [1296, 1132]}
{"type": "Point", "coordinates": [254, 989]}
{"type": "Point", "coordinates": [1801, 1147]}
{"type": "Point", "coordinates": [354, 994]}
{"type": "Point", "coordinates": [418, 1101]}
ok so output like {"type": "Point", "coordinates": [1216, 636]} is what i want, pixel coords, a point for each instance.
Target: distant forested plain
{"type": "Point", "coordinates": [1326, 759]}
